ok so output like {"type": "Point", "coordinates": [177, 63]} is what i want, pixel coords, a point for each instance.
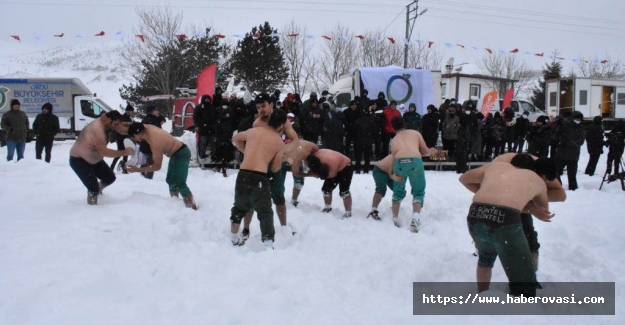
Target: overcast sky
{"type": "Point", "coordinates": [575, 28]}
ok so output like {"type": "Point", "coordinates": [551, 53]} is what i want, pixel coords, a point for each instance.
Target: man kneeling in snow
{"type": "Point", "coordinates": [162, 143]}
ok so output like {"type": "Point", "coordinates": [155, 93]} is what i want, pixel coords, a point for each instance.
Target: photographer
{"type": "Point", "coordinates": [615, 143]}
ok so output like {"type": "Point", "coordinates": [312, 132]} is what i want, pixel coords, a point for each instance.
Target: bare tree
{"type": "Point", "coordinates": [338, 55]}
{"type": "Point", "coordinates": [607, 68]}
{"type": "Point", "coordinates": [297, 51]}
{"type": "Point", "coordinates": [376, 50]}
{"type": "Point", "coordinates": [158, 26]}
{"type": "Point", "coordinates": [507, 66]}
{"type": "Point", "coordinates": [420, 55]}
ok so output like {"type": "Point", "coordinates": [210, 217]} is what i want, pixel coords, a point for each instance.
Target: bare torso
{"type": "Point", "coordinates": [262, 145]}
{"type": "Point", "coordinates": [161, 141]}
{"type": "Point", "coordinates": [506, 185]}
{"type": "Point", "coordinates": [386, 164]}
{"type": "Point", "coordinates": [408, 143]}
{"type": "Point", "coordinates": [288, 128]}
{"type": "Point", "coordinates": [335, 161]}
{"type": "Point", "coordinates": [85, 145]}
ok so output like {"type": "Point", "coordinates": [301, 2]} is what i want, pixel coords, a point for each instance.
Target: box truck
{"type": "Point", "coordinates": [74, 104]}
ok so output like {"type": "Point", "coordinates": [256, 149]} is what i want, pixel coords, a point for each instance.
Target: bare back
{"type": "Point", "coordinates": [335, 161]}
{"type": "Point", "coordinates": [262, 144]}
{"type": "Point", "coordinates": [297, 151]}
{"type": "Point", "coordinates": [506, 185]}
{"type": "Point", "coordinates": [288, 128]}
{"type": "Point", "coordinates": [408, 144]}
{"type": "Point", "coordinates": [85, 147]}
{"type": "Point", "coordinates": [386, 164]}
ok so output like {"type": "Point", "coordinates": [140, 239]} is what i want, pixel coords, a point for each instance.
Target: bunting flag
{"type": "Point", "coordinates": [516, 50]}
{"type": "Point", "coordinates": [474, 47]}
{"type": "Point", "coordinates": [256, 36]}
{"type": "Point", "coordinates": [238, 35]}
{"type": "Point", "coordinates": [449, 45]}
{"type": "Point", "coordinates": [119, 33]}
{"type": "Point", "coordinates": [462, 46]}
{"type": "Point", "coordinates": [141, 37]}
{"type": "Point", "coordinates": [38, 37]}
{"type": "Point", "coordinates": [575, 60]}
{"type": "Point", "coordinates": [430, 44]}
{"type": "Point", "coordinates": [80, 35]}
{"type": "Point", "coordinates": [527, 53]}
{"type": "Point", "coordinates": [489, 50]}
{"type": "Point", "coordinates": [100, 33]}
{"type": "Point", "coordinates": [604, 61]}
{"type": "Point", "coordinates": [17, 37]}
{"type": "Point", "coordinates": [161, 37]}
{"type": "Point", "coordinates": [59, 35]}
{"type": "Point", "coordinates": [391, 39]}
{"type": "Point", "coordinates": [311, 36]}
{"type": "Point", "coordinates": [220, 36]}
{"type": "Point", "coordinates": [540, 54]}
{"type": "Point", "coordinates": [560, 58]}
{"type": "Point", "coordinates": [360, 37]}
{"type": "Point", "coordinates": [405, 41]}
{"type": "Point", "coordinates": [275, 35]}
{"type": "Point", "coordinates": [419, 41]}
{"type": "Point", "coordinates": [182, 37]}
{"type": "Point", "coordinates": [326, 37]}
{"type": "Point", "coordinates": [344, 38]}
{"type": "Point", "coordinates": [292, 35]}
{"type": "Point", "coordinates": [200, 35]}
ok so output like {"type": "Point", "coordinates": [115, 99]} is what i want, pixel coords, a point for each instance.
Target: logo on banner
{"type": "Point", "coordinates": [389, 87]}
{"type": "Point", "coordinates": [3, 96]}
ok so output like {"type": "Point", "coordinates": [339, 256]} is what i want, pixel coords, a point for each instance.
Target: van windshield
{"type": "Point", "coordinates": [103, 105]}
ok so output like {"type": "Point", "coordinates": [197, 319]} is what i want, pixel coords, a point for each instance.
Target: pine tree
{"type": "Point", "coordinates": [552, 70]}
{"type": "Point", "coordinates": [258, 60]}
{"type": "Point", "coordinates": [184, 59]}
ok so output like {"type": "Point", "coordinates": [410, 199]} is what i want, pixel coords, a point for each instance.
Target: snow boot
{"type": "Point", "coordinates": [92, 199]}
{"type": "Point", "coordinates": [396, 221]}
{"type": "Point", "coordinates": [174, 193]}
{"type": "Point", "coordinates": [414, 225]}
{"type": "Point", "coordinates": [188, 201]}
{"type": "Point", "coordinates": [374, 215]}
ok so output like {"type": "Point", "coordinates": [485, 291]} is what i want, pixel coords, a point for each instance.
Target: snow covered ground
{"type": "Point", "coordinates": [140, 257]}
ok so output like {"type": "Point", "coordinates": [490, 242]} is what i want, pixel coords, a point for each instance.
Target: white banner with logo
{"type": "Point", "coordinates": [405, 86]}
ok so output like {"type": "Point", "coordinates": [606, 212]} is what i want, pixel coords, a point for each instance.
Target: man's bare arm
{"type": "Point", "coordinates": [276, 162]}
{"type": "Point", "coordinates": [100, 144]}
{"type": "Point", "coordinates": [423, 148]}
{"type": "Point", "coordinates": [555, 191]}
{"type": "Point", "coordinates": [290, 132]}
{"type": "Point", "coordinates": [239, 140]}
{"type": "Point", "coordinates": [473, 179]}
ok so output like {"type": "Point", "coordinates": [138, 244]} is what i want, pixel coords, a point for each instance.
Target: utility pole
{"type": "Point", "coordinates": [412, 7]}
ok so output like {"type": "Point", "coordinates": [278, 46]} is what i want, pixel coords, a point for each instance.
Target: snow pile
{"type": "Point", "coordinates": [140, 257]}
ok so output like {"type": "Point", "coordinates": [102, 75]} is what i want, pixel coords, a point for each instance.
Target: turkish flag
{"type": "Point", "coordinates": [489, 50]}
{"type": "Point", "coordinates": [540, 54]}
{"type": "Point", "coordinates": [182, 37]}
{"type": "Point", "coordinates": [326, 37]}
{"type": "Point", "coordinates": [462, 46]}
{"type": "Point", "coordinates": [220, 36]}
{"type": "Point", "coordinates": [206, 81]}
{"type": "Point", "coordinates": [514, 51]}
{"type": "Point", "coordinates": [59, 35]}
{"type": "Point", "coordinates": [604, 61]}
{"type": "Point", "coordinates": [292, 35]}
{"type": "Point", "coordinates": [430, 44]}
{"type": "Point", "coordinates": [100, 33]}
{"type": "Point", "coordinates": [360, 37]}
{"type": "Point", "coordinates": [391, 39]}
{"type": "Point", "coordinates": [141, 37]}
{"type": "Point", "coordinates": [507, 98]}
{"type": "Point", "coordinates": [16, 37]}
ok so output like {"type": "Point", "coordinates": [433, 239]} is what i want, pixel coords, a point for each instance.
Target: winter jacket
{"type": "Point", "coordinates": [351, 116]}
{"type": "Point", "coordinates": [46, 126]}
{"type": "Point", "coordinates": [521, 127]}
{"type": "Point", "coordinates": [413, 121]}
{"type": "Point", "coordinates": [389, 114]}
{"type": "Point", "coordinates": [594, 139]}
{"type": "Point", "coordinates": [365, 129]}
{"type": "Point", "coordinates": [16, 125]}
{"type": "Point", "coordinates": [381, 102]}
{"type": "Point", "coordinates": [430, 128]}
{"type": "Point", "coordinates": [205, 117]}
{"type": "Point", "coordinates": [333, 132]}
{"type": "Point", "coordinates": [538, 140]}
{"type": "Point", "coordinates": [451, 125]}
{"type": "Point", "coordinates": [616, 142]}
{"type": "Point", "coordinates": [151, 120]}
{"type": "Point", "coordinates": [570, 138]}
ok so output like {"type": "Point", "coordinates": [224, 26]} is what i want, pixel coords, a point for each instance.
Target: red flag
{"type": "Point", "coordinates": [141, 37]}
{"type": "Point", "coordinates": [100, 33]}
{"type": "Point", "coordinates": [507, 98]}
{"type": "Point", "coordinates": [206, 81]}
{"type": "Point", "coordinates": [360, 37]}
{"type": "Point", "coordinates": [488, 102]}
{"type": "Point", "coordinates": [489, 50]}
{"type": "Point", "coordinates": [391, 39]}
{"type": "Point", "coordinates": [604, 61]}
{"type": "Point", "coordinates": [17, 37]}
{"type": "Point", "coordinates": [559, 58]}
{"type": "Point", "coordinates": [256, 36]}
{"type": "Point", "coordinates": [59, 35]}
{"type": "Point", "coordinates": [540, 54]}
{"type": "Point", "coordinates": [462, 46]}
{"type": "Point", "coordinates": [220, 36]}
{"type": "Point", "coordinates": [514, 51]}
{"type": "Point", "coordinates": [430, 44]}
{"type": "Point", "coordinates": [326, 37]}
{"type": "Point", "coordinates": [292, 35]}
{"type": "Point", "coordinates": [182, 37]}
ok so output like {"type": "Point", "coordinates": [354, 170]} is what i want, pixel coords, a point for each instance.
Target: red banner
{"type": "Point", "coordinates": [206, 82]}
{"type": "Point", "coordinates": [488, 102]}
{"type": "Point", "coordinates": [507, 98]}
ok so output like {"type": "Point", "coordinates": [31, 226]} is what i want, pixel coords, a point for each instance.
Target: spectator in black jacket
{"type": "Point", "coordinates": [430, 126]}
{"type": "Point", "coordinates": [365, 130]}
{"type": "Point", "coordinates": [351, 114]}
{"type": "Point", "coordinates": [570, 139]}
{"type": "Point", "coordinates": [463, 144]}
{"type": "Point", "coordinates": [151, 116]}
{"type": "Point", "coordinates": [616, 145]}
{"type": "Point", "coordinates": [333, 129]}
{"type": "Point", "coordinates": [223, 134]}
{"type": "Point", "coordinates": [312, 122]}
{"type": "Point", "coordinates": [46, 126]}
{"type": "Point", "coordinates": [119, 138]}
{"type": "Point", "coordinates": [539, 137]}
{"type": "Point", "coordinates": [218, 99]}
{"type": "Point", "coordinates": [594, 144]}
{"type": "Point", "coordinates": [521, 127]}
{"type": "Point", "coordinates": [381, 101]}
{"type": "Point", "coordinates": [204, 121]}
{"type": "Point", "coordinates": [364, 102]}
{"type": "Point", "coordinates": [413, 119]}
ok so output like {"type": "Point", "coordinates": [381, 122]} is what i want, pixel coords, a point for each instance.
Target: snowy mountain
{"type": "Point", "coordinates": [99, 65]}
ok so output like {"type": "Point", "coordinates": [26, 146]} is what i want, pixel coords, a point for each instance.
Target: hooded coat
{"type": "Point", "coordinates": [46, 126]}
{"type": "Point", "coordinates": [16, 125]}
{"type": "Point", "coordinates": [594, 137]}
{"type": "Point", "coordinates": [570, 139]}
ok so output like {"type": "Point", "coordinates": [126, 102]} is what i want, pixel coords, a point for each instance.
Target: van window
{"type": "Point", "coordinates": [342, 100]}
{"type": "Point", "coordinates": [90, 109]}
{"type": "Point", "coordinates": [515, 106]}
{"type": "Point", "coordinates": [528, 107]}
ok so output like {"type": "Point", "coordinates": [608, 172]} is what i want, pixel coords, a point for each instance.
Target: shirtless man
{"type": "Point", "coordinates": [546, 168]}
{"type": "Point", "coordinates": [87, 155]}
{"type": "Point", "coordinates": [383, 177]}
{"type": "Point", "coordinates": [162, 143]}
{"type": "Point", "coordinates": [262, 147]}
{"type": "Point", "coordinates": [295, 155]}
{"type": "Point", "coordinates": [336, 169]}
{"type": "Point", "coordinates": [494, 222]}
{"type": "Point", "coordinates": [407, 147]}
{"type": "Point", "coordinates": [264, 106]}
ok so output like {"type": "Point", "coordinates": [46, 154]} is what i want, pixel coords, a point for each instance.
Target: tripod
{"type": "Point", "coordinates": [617, 176]}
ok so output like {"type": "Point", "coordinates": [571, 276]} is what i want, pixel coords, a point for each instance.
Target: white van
{"type": "Point", "coordinates": [518, 106]}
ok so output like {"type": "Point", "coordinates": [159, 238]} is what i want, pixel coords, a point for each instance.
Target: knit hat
{"type": "Point", "coordinates": [129, 108]}
{"type": "Point", "coordinates": [47, 106]}
{"type": "Point", "coordinates": [15, 101]}
{"type": "Point", "coordinates": [264, 97]}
